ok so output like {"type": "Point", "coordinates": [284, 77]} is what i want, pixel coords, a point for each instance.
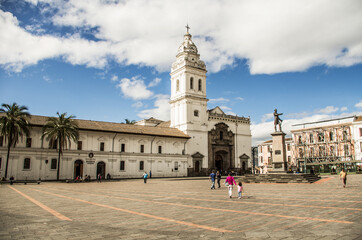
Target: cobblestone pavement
{"type": "Point", "coordinates": [181, 209]}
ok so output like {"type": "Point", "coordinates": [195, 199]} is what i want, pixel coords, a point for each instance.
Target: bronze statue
{"type": "Point", "coordinates": [277, 120]}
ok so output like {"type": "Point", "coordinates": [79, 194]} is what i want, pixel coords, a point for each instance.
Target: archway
{"type": "Point", "coordinates": [222, 160]}
{"type": "Point", "coordinates": [219, 162]}
{"type": "Point", "coordinates": [101, 169]}
{"type": "Point", "coordinates": [78, 168]}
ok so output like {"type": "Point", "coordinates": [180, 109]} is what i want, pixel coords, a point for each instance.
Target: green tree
{"type": "Point", "coordinates": [13, 124]}
{"type": "Point", "coordinates": [129, 121]}
{"type": "Point", "coordinates": [61, 130]}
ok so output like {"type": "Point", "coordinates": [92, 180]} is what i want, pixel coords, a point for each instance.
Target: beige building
{"type": "Point", "coordinates": [328, 146]}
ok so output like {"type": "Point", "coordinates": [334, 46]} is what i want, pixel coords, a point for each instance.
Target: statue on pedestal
{"type": "Point", "coordinates": [277, 121]}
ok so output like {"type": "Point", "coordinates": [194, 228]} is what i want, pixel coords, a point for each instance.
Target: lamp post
{"type": "Point", "coordinates": [254, 150]}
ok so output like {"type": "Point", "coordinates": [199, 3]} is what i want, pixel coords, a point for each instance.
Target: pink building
{"type": "Point", "coordinates": [265, 155]}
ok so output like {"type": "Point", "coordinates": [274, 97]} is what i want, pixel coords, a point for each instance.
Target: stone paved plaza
{"type": "Point", "coordinates": [181, 209]}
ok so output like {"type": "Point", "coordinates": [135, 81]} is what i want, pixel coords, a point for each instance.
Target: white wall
{"type": "Point", "coordinates": [171, 153]}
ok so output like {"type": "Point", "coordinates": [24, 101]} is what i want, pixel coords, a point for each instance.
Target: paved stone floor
{"type": "Point", "coordinates": [181, 209]}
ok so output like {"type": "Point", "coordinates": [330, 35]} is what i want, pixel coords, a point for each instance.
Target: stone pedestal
{"type": "Point", "coordinates": [279, 155]}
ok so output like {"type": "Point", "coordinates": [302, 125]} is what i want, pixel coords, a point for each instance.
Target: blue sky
{"type": "Point", "coordinates": [110, 60]}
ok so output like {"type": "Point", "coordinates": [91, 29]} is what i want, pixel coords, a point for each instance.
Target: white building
{"type": "Point", "coordinates": [193, 142]}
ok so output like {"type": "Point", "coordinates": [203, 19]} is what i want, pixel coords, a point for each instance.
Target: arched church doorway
{"type": "Point", "coordinates": [101, 169]}
{"type": "Point", "coordinates": [218, 162]}
{"type": "Point", "coordinates": [78, 168]}
{"type": "Point", "coordinates": [221, 160]}
{"type": "Point", "coordinates": [197, 166]}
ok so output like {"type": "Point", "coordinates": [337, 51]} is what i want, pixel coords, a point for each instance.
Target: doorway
{"type": "Point", "coordinates": [218, 162]}
{"type": "Point", "coordinates": [78, 168]}
{"type": "Point", "coordinates": [197, 167]}
{"type": "Point", "coordinates": [101, 169]}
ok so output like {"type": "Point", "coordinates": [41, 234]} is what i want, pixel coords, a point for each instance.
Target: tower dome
{"type": "Point", "coordinates": [187, 54]}
{"type": "Point", "coordinates": [187, 46]}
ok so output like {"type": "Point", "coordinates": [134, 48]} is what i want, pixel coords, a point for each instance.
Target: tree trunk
{"type": "Point", "coordinates": [59, 153]}
{"type": "Point", "coordinates": [8, 155]}
{"type": "Point", "coordinates": [58, 165]}
{"type": "Point", "coordinates": [7, 159]}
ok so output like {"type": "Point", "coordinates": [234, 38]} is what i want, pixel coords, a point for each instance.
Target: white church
{"type": "Point", "coordinates": [193, 143]}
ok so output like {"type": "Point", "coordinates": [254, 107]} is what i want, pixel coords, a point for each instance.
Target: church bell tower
{"type": "Point", "coordinates": [188, 89]}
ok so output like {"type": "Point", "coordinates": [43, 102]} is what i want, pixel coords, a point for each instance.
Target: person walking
{"type": "Point", "coordinates": [240, 189]}
{"type": "Point", "coordinates": [218, 177]}
{"type": "Point", "coordinates": [230, 181]}
{"type": "Point", "coordinates": [99, 178]}
{"type": "Point", "coordinates": [343, 177]}
{"type": "Point", "coordinates": [212, 178]}
{"type": "Point", "coordinates": [145, 175]}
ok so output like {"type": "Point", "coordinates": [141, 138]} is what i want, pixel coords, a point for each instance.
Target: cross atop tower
{"type": "Point", "coordinates": [187, 28]}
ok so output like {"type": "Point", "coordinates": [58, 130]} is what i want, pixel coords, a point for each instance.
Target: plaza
{"type": "Point", "coordinates": [181, 208]}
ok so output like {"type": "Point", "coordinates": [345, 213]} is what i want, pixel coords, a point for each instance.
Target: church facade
{"type": "Point", "coordinates": [193, 143]}
{"type": "Point", "coordinates": [217, 140]}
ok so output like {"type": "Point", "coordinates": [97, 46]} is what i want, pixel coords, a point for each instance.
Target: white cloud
{"type": "Point", "coordinates": [225, 108]}
{"type": "Point", "coordinates": [154, 82]}
{"type": "Point", "coordinates": [134, 88]}
{"type": "Point", "coordinates": [274, 36]}
{"type": "Point", "coordinates": [230, 113]}
{"type": "Point", "coordinates": [19, 48]}
{"type": "Point", "coordinates": [218, 100]}
{"type": "Point", "coordinates": [328, 109]}
{"type": "Point", "coordinates": [267, 116]}
{"type": "Point", "coordinates": [359, 105]}
{"type": "Point", "coordinates": [46, 78]}
{"type": "Point", "coordinates": [137, 104]}
{"type": "Point", "coordinates": [114, 78]}
{"type": "Point", "coordinates": [161, 110]}
{"type": "Point", "coordinates": [343, 109]}
{"type": "Point", "coordinates": [239, 98]}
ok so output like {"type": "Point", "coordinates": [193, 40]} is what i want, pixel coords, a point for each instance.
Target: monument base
{"type": "Point", "coordinates": [279, 153]}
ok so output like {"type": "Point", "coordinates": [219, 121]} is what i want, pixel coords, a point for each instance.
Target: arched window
{"type": "Point", "coordinates": [200, 85]}
{"type": "Point", "coordinates": [191, 83]}
{"type": "Point", "coordinates": [177, 85]}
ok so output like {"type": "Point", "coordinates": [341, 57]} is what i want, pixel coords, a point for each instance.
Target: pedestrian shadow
{"type": "Point", "coordinates": [249, 197]}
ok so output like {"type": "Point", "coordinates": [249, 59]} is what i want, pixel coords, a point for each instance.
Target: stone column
{"type": "Point", "coordinates": [279, 153]}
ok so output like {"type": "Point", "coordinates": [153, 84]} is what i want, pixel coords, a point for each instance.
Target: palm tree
{"type": "Point", "coordinates": [13, 124]}
{"type": "Point", "coordinates": [127, 121]}
{"type": "Point", "coordinates": [61, 130]}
